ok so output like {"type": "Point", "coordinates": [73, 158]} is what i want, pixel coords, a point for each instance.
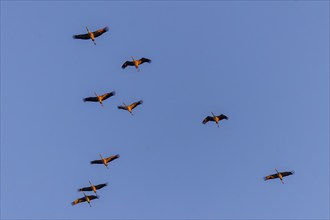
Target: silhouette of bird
{"type": "Point", "coordinates": [278, 175]}
{"type": "Point", "coordinates": [91, 35]}
{"type": "Point", "coordinates": [92, 187]}
{"type": "Point", "coordinates": [135, 63]}
{"type": "Point", "coordinates": [130, 107]}
{"type": "Point", "coordinates": [100, 98]}
{"type": "Point", "coordinates": [85, 199]}
{"type": "Point", "coordinates": [215, 118]}
{"type": "Point", "coordinates": [105, 161]}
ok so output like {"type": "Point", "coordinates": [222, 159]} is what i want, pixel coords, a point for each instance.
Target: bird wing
{"type": "Point", "coordinates": [91, 99]}
{"type": "Point", "coordinates": [91, 197]}
{"type": "Point", "coordinates": [82, 199]}
{"type": "Point", "coordinates": [100, 31]}
{"type": "Point", "coordinates": [122, 107]}
{"type": "Point", "coordinates": [81, 36]}
{"type": "Point", "coordinates": [97, 162]}
{"type": "Point", "coordinates": [143, 60]}
{"type": "Point", "coordinates": [133, 105]}
{"type": "Point", "coordinates": [287, 173]}
{"type": "Point", "coordinates": [207, 119]}
{"type": "Point", "coordinates": [127, 63]}
{"type": "Point", "coordinates": [111, 158]}
{"type": "Point", "coordinates": [85, 189]}
{"type": "Point", "coordinates": [101, 185]}
{"type": "Point", "coordinates": [222, 116]}
{"type": "Point", "coordinates": [273, 176]}
{"type": "Point", "coordinates": [107, 95]}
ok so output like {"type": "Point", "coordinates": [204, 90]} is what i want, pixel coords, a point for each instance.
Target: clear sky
{"type": "Point", "coordinates": [264, 64]}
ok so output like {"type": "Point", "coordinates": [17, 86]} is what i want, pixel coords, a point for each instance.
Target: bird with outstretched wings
{"type": "Point", "coordinates": [105, 160]}
{"type": "Point", "coordinates": [136, 63]}
{"type": "Point", "coordinates": [88, 35]}
{"type": "Point", "coordinates": [100, 98]}
{"type": "Point", "coordinates": [90, 188]}
{"type": "Point", "coordinates": [279, 175]}
{"type": "Point", "coordinates": [130, 107]}
{"type": "Point", "coordinates": [215, 118]}
{"type": "Point", "coordinates": [84, 199]}
{"type": "Point", "coordinates": [91, 35]}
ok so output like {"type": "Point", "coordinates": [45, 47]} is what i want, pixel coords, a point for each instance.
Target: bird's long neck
{"type": "Point", "coordinates": [87, 29]}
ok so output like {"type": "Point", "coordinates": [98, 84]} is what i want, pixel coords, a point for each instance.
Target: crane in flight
{"type": "Point", "coordinates": [279, 175]}
{"type": "Point", "coordinates": [91, 35]}
{"type": "Point", "coordinates": [105, 161]}
{"type": "Point", "coordinates": [136, 63]}
{"type": "Point", "coordinates": [99, 98]}
{"type": "Point", "coordinates": [85, 199]}
{"type": "Point", "coordinates": [93, 188]}
{"type": "Point", "coordinates": [215, 118]}
{"type": "Point", "coordinates": [130, 107]}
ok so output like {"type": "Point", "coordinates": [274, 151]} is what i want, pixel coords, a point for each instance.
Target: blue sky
{"type": "Point", "coordinates": [265, 64]}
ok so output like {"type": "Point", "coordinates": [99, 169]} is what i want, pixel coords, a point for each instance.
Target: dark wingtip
{"type": "Point", "coordinates": [106, 28]}
{"type": "Point", "coordinates": [84, 99]}
{"type": "Point", "coordinates": [113, 93]}
{"type": "Point", "coordinates": [74, 36]}
{"type": "Point", "coordinates": [141, 101]}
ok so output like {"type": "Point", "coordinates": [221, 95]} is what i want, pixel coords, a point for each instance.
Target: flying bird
{"type": "Point", "coordinates": [130, 107]}
{"type": "Point", "coordinates": [100, 98]}
{"type": "Point", "coordinates": [105, 161]}
{"type": "Point", "coordinates": [85, 199]}
{"type": "Point", "coordinates": [91, 35]}
{"type": "Point", "coordinates": [93, 188]}
{"type": "Point", "coordinates": [215, 118]}
{"type": "Point", "coordinates": [278, 175]}
{"type": "Point", "coordinates": [135, 63]}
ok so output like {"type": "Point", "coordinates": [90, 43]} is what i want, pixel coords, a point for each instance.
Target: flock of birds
{"type": "Point", "coordinates": [100, 98]}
